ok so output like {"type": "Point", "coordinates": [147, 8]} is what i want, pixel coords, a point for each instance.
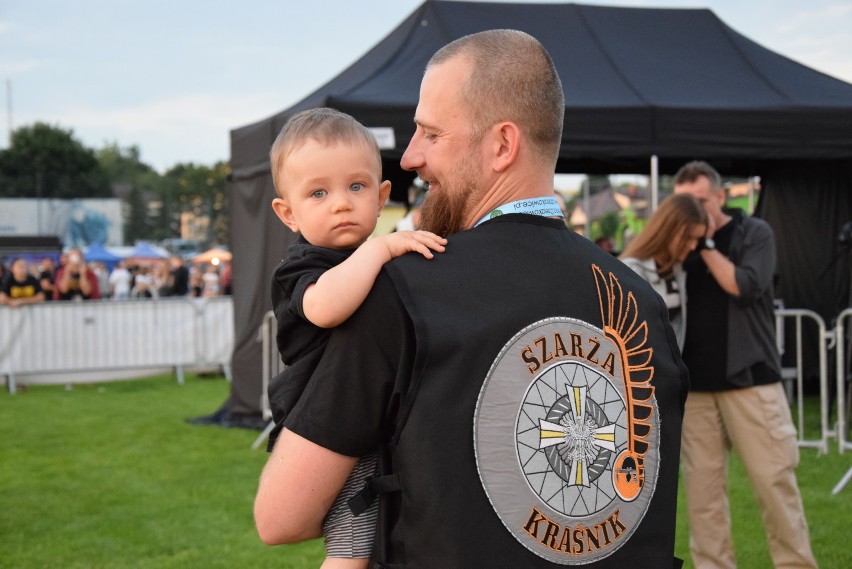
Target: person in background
{"type": "Point", "coordinates": [120, 281]}
{"type": "Point", "coordinates": [101, 273]}
{"type": "Point", "coordinates": [196, 282]}
{"type": "Point", "coordinates": [210, 279]}
{"type": "Point", "coordinates": [74, 280]}
{"type": "Point", "coordinates": [444, 364]}
{"type": "Point", "coordinates": [226, 279]}
{"type": "Point", "coordinates": [736, 399]}
{"type": "Point", "coordinates": [411, 220]}
{"type": "Point", "coordinates": [47, 275]}
{"type": "Point", "coordinates": [161, 278]}
{"type": "Point", "coordinates": [19, 287]}
{"type": "Point", "coordinates": [656, 254]}
{"type": "Point", "coordinates": [179, 276]}
{"type": "Point", "coordinates": [143, 284]}
{"type": "Point", "coordinates": [605, 243]}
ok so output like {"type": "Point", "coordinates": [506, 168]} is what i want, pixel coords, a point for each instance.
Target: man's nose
{"type": "Point", "coordinates": [412, 158]}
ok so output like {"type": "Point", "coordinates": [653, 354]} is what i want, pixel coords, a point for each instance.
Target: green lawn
{"type": "Point", "coordinates": [110, 476]}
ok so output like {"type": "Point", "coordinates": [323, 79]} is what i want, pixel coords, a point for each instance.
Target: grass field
{"type": "Point", "coordinates": [111, 476]}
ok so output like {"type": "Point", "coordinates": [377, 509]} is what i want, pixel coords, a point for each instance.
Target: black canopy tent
{"type": "Point", "coordinates": [677, 84]}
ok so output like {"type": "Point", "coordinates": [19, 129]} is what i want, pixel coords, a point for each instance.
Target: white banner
{"type": "Point", "coordinates": [78, 222]}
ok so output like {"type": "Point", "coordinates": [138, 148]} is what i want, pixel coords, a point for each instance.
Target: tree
{"type": "Point", "coordinates": [201, 192]}
{"type": "Point", "coordinates": [139, 186]}
{"type": "Point", "coordinates": [48, 162]}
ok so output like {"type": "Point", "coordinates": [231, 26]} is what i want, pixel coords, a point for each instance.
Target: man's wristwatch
{"type": "Point", "coordinates": [706, 245]}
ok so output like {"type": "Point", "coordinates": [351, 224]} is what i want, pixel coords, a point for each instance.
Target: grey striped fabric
{"type": "Point", "coordinates": [345, 535]}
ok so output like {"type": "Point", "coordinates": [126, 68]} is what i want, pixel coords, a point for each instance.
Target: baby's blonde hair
{"type": "Point", "coordinates": [324, 125]}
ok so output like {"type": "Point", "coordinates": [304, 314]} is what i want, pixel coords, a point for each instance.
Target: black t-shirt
{"type": "Point", "coordinates": [706, 345]}
{"type": "Point", "coordinates": [180, 281]}
{"type": "Point", "coordinates": [300, 343]}
{"type": "Point", "coordinates": [47, 276]}
{"type": "Point", "coordinates": [14, 288]}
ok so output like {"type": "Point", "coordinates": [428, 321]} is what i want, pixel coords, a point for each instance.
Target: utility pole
{"type": "Point", "coordinates": [9, 109]}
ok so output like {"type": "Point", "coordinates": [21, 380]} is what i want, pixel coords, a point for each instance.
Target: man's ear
{"type": "Point", "coordinates": [285, 213]}
{"type": "Point", "coordinates": [506, 141]}
{"type": "Point", "coordinates": [384, 194]}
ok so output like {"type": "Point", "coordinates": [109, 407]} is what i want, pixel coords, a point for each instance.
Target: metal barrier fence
{"type": "Point", "coordinates": [54, 340]}
{"type": "Point", "coordinates": [272, 366]}
{"type": "Point", "coordinates": [844, 391]}
{"type": "Point", "coordinates": [824, 339]}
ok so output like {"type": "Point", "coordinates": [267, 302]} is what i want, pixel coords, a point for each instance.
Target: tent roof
{"type": "Point", "coordinates": [97, 252]}
{"type": "Point", "coordinates": [144, 250]}
{"type": "Point", "coordinates": [214, 253]}
{"type": "Point", "coordinates": [678, 83]}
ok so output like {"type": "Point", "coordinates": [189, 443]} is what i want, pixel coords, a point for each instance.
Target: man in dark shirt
{"type": "Point", "coordinates": [47, 274]}
{"type": "Point", "coordinates": [179, 277]}
{"type": "Point", "coordinates": [736, 398]}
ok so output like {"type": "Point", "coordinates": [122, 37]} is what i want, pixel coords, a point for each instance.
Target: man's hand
{"type": "Point", "coordinates": [711, 227]}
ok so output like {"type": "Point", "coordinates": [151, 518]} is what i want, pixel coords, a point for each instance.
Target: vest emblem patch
{"type": "Point", "coordinates": [566, 431]}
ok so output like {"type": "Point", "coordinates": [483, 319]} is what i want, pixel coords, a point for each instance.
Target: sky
{"type": "Point", "coordinates": [175, 77]}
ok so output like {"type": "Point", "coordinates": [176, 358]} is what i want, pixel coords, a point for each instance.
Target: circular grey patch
{"type": "Point", "coordinates": [552, 436]}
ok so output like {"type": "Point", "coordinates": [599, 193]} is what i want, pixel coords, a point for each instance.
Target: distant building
{"type": "Point", "coordinates": [600, 204]}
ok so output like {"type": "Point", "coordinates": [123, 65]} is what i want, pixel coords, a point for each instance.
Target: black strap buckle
{"type": "Point", "coordinates": [373, 487]}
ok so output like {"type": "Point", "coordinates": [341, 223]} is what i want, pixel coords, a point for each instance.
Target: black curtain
{"type": "Point", "coordinates": [807, 205]}
{"type": "Point", "coordinates": [259, 242]}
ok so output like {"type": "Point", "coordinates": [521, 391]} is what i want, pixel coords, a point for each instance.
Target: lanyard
{"type": "Point", "coordinates": [546, 207]}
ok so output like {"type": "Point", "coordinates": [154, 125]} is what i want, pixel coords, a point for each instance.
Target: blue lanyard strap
{"type": "Point", "coordinates": [546, 207]}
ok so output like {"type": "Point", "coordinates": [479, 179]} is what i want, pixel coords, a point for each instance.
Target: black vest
{"type": "Point", "coordinates": [520, 444]}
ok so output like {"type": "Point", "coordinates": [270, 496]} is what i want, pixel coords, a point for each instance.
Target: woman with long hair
{"type": "Point", "coordinates": [656, 254]}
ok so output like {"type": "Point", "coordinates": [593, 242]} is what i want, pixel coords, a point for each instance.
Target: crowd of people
{"type": "Point", "coordinates": [23, 281]}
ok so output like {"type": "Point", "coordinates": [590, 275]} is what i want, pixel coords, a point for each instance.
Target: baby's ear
{"type": "Point", "coordinates": [384, 193]}
{"type": "Point", "coordinates": [285, 213]}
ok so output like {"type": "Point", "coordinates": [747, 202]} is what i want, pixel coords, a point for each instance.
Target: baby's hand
{"type": "Point", "coordinates": [401, 242]}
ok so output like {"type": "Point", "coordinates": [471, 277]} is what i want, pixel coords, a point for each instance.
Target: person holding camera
{"type": "Point", "coordinates": [75, 281]}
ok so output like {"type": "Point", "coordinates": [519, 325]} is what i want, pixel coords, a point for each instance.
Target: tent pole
{"type": "Point", "coordinates": [752, 182]}
{"type": "Point", "coordinates": [655, 182]}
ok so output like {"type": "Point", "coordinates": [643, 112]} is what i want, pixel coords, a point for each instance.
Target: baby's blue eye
{"type": "Point", "coordinates": [317, 194]}
{"type": "Point", "coordinates": [356, 187]}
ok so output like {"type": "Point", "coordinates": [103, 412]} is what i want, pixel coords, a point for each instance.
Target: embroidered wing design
{"type": "Point", "coordinates": [620, 318]}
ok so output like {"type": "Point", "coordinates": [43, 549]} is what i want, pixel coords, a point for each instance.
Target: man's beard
{"type": "Point", "coordinates": [444, 213]}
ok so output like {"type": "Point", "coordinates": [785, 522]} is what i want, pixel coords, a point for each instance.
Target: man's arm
{"type": "Point", "coordinates": [752, 274]}
{"type": "Point", "coordinates": [63, 278]}
{"type": "Point", "coordinates": [722, 269]}
{"type": "Point", "coordinates": [297, 487]}
{"type": "Point", "coordinates": [34, 299]}
{"type": "Point", "coordinates": [89, 283]}
{"type": "Point", "coordinates": [46, 286]}
{"type": "Point", "coordinates": [340, 291]}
